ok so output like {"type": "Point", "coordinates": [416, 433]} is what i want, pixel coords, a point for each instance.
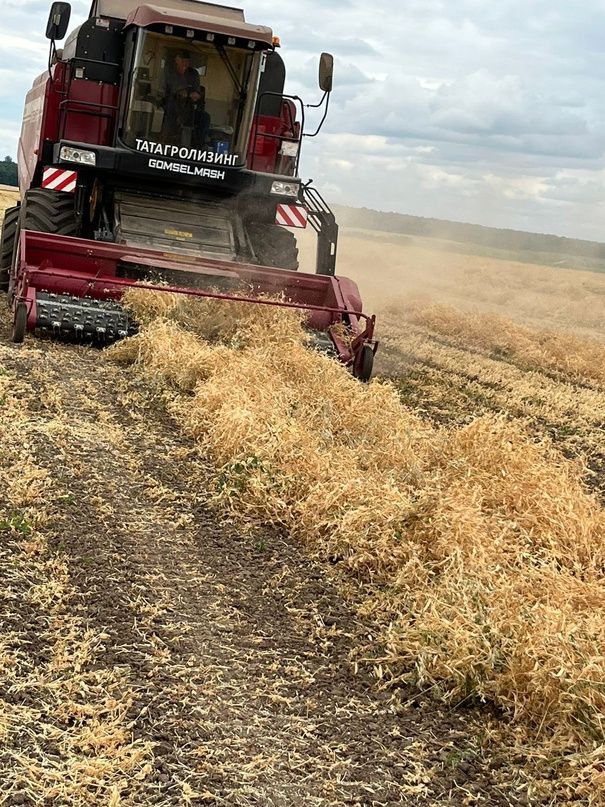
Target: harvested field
{"type": "Point", "coordinates": [236, 576]}
{"type": "Point", "coordinates": [8, 197]}
{"type": "Point", "coordinates": [541, 297]}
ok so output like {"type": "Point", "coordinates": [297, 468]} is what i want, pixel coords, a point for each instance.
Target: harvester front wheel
{"type": "Point", "coordinates": [274, 246]}
{"type": "Point", "coordinates": [47, 211]}
{"type": "Point", "coordinates": [365, 364]}
{"type": "Point", "coordinates": [7, 245]}
{"type": "Point", "coordinates": [19, 323]}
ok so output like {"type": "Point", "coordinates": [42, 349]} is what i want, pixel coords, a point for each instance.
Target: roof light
{"type": "Point", "coordinates": [190, 34]}
{"type": "Point", "coordinates": [276, 42]}
{"type": "Point", "coordinates": [169, 29]}
{"type": "Point", "coordinates": [231, 40]}
{"type": "Point", "coordinates": [210, 37]}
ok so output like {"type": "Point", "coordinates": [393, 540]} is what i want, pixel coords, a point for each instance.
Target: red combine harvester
{"type": "Point", "coordinates": [159, 149]}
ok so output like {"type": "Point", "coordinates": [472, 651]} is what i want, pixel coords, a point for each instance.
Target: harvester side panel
{"type": "Point", "coordinates": [88, 113]}
{"type": "Point", "coordinates": [40, 124]}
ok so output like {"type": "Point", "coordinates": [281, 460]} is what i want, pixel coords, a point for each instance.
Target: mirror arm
{"type": "Point", "coordinates": [326, 98]}
{"type": "Point", "coordinates": [52, 52]}
{"type": "Point", "coordinates": [321, 103]}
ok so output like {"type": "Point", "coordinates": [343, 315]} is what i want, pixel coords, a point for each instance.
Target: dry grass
{"type": "Point", "coordinates": [8, 197]}
{"type": "Point", "coordinates": [481, 547]}
{"type": "Point", "coordinates": [453, 385]}
{"type": "Point", "coordinates": [237, 651]}
{"type": "Point", "coordinates": [477, 549]}
{"type": "Point", "coordinates": [64, 724]}
{"type": "Point", "coordinates": [579, 359]}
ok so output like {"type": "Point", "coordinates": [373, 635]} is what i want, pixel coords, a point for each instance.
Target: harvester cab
{"type": "Point", "coordinates": [160, 149]}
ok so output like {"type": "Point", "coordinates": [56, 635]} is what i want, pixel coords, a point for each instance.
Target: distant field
{"type": "Point", "coordinates": [475, 239]}
{"type": "Point", "coordinates": [8, 196]}
{"type": "Point", "coordinates": [391, 269]}
{"type": "Point", "coordinates": [511, 253]}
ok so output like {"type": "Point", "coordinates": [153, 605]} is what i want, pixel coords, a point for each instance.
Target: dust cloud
{"type": "Point", "coordinates": [391, 270]}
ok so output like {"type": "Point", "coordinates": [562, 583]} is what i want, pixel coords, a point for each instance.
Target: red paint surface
{"type": "Point", "coordinates": [75, 266]}
{"type": "Point", "coordinates": [59, 108]}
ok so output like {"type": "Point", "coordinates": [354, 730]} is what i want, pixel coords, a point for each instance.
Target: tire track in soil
{"type": "Point", "coordinates": [239, 648]}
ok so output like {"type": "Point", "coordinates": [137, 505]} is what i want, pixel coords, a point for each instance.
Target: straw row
{"type": "Point", "coordinates": [481, 546]}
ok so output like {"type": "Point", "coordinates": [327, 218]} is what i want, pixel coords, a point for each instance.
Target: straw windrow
{"type": "Point", "coordinates": [479, 548]}
{"type": "Point", "coordinates": [578, 359]}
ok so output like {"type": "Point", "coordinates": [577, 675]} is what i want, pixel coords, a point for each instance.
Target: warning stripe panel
{"type": "Point", "coordinates": [58, 179]}
{"type": "Point", "coordinates": [291, 216]}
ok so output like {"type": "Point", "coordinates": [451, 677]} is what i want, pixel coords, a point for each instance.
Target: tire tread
{"type": "Point", "coordinates": [274, 246]}
{"type": "Point", "coordinates": [49, 212]}
{"type": "Point", "coordinates": [7, 242]}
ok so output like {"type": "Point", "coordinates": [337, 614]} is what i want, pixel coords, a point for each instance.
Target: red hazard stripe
{"type": "Point", "coordinates": [50, 175]}
{"type": "Point", "coordinates": [299, 214]}
{"type": "Point", "coordinates": [291, 216]}
{"type": "Point", "coordinates": [58, 179]}
{"type": "Point", "coordinates": [68, 180]}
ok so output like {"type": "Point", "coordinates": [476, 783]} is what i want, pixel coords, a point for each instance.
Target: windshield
{"type": "Point", "coordinates": [190, 99]}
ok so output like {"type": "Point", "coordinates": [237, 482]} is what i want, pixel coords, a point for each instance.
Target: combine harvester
{"type": "Point", "coordinates": [159, 149]}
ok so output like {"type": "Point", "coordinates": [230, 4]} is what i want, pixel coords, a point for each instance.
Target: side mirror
{"type": "Point", "coordinates": [58, 21]}
{"type": "Point", "coordinates": [326, 72]}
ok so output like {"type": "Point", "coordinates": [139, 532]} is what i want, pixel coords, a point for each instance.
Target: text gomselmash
{"type": "Point", "coordinates": [184, 153]}
{"type": "Point", "coordinates": [190, 170]}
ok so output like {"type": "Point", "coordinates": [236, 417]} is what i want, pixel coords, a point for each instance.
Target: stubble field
{"type": "Point", "coordinates": [233, 575]}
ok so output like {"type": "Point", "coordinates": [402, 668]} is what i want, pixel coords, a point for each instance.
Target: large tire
{"type": "Point", "coordinates": [274, 246]}
{"type": "Point", "coordinates": [42, 211]}
{"type": "Point", "coordinates": [47, 211]}
{"type": "Point", "coordinates": [7, 245]}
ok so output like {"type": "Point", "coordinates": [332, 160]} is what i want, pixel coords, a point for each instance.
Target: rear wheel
{"type": "Point", "coordinates": [274, 246]}
{"type": "Point", "coordinates": [7, 245]}
{"type": "Point", "coordinates": [42, 211]}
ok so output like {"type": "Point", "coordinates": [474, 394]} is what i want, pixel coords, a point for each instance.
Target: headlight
{"type": "Point", "coordinates": [73, 155]}
{"type": "Point", "coordinates": [285, 188]}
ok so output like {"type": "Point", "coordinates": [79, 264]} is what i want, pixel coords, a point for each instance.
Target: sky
{"type": "Point", "coordinates": [484, 111]}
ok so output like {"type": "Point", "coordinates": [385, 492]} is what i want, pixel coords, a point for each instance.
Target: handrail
{"type": "Point", "coordinates": [315, 204]}
{"type": "Point", "coordinates": [95, 104]}
{"type": "Point", "coordinates": [323, 221]}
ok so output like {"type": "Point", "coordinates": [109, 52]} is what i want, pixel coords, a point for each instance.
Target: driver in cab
{"type": "Point", "coordinates": [186, 122]}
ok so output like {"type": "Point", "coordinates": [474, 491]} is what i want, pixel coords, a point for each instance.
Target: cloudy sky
{"type": "Point", "coordinates": [488, 111]}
